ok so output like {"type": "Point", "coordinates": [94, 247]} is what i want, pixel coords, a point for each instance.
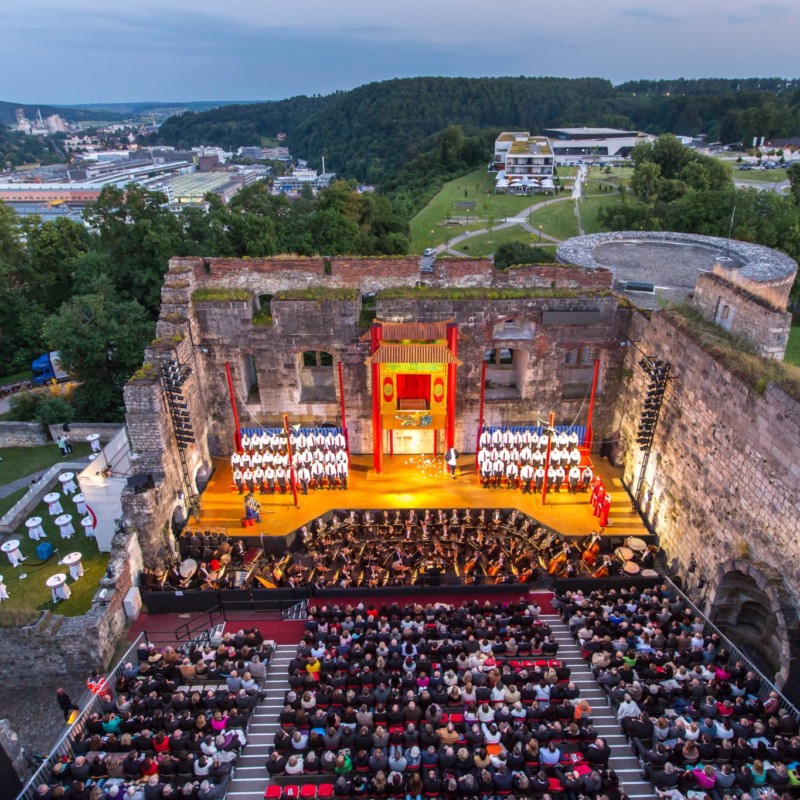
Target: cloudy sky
{"type": "Point", "coordinates": [74, 51]}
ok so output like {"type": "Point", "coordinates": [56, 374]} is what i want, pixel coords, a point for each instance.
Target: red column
{"type": "Point", "coordinates": [237, 431]}
{"type": "Point", "coordinates": [587, 441]}
{"type": "Point", "coordinates": [480, 414]}
{"type": "Point", "coordinates": [450, 424]}
{"type": "Point", "coordinates": [377, 425]}
{"type": "Point", "coordinates": [344, 417]}
{"type": "Point", "coordinates": [547, 458]}
{"type": "Point", "coordinates": [292, 480]}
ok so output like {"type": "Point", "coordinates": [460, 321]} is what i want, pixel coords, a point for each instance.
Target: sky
{"type": "Point", "coordinates": [83, 51]}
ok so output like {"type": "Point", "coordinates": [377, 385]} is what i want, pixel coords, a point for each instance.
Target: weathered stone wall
{"type": "Point", "coordinates": [9, 741]}
{"type": "Point", "coordinates": [22, 434]}
{"type": "Point", "coordinates": [78, 431]}
{"type": "Point", "coordinates": [724, 471]}
{"type": "Point", "coordinates": [62, 647]}
{"type": "Point", "coordinates": [743, 313]}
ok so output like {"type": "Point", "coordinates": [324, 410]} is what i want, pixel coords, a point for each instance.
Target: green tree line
{"type": "Point", "coordinates": [369, 131]}
{"type": "Point", "coordinates": [93, 293]}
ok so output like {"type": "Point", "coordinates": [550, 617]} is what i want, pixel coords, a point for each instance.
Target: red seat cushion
{"type": "Point", "coordinates": [554, 785]}
{"type": "Point", "coordinates": [324, 790]}
{"type": "Point", "coordinates": [290, 792]}
{"type": "Point", "coordinates": [273, 792]}
{"type": "Point", "coordinates": [307, 791]}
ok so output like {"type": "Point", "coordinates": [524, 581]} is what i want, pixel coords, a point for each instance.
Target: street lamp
{"type": "Point", "coordinates": [540, 234]}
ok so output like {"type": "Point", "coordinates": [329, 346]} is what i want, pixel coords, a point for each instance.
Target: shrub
{"type": "Point", "coordinates": [55, 411]}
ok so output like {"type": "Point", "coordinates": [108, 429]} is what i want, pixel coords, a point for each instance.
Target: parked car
{"type": "Point", "coordinates": [428, 251]}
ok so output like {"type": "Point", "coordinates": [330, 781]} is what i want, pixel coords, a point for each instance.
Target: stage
{"type": "Point", "coordinates": [412, 481]}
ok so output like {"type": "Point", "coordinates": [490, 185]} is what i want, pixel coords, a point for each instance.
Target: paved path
{"type": "Point", "coordinates": [521, 219]}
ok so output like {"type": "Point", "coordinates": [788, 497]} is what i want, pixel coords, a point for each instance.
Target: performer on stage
{"type": "Point", "coordinates": [451, 459]}
{"type": "Point", "coordinates": [252, 508]}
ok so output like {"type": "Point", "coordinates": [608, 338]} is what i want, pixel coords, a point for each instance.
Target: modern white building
{"type": "Point", "coordinates": [593, 144]}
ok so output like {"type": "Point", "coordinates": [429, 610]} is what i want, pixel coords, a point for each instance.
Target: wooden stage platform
{"type": "Point", "coordinates": [415, 481]}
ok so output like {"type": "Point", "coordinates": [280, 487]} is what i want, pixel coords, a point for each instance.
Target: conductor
{"type": "Point", "coordinates": [451, 459]}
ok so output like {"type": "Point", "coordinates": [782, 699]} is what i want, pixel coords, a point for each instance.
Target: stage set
{"type": "Point", "coordinates": [275, 543]}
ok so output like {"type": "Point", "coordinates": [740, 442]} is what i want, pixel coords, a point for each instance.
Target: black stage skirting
{"type": "Point", "coordinates": [278, 599]}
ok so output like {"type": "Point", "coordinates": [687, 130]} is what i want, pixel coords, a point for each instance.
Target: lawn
{"type": "Point", "coordinates": [557, 219]}
{"type": "Point", "coordinates": [777, 175]}
{"type": "Point", "coordinates": [28, 597]}
{"type": "Point", "coordinates": [480, 246]}
{"type": "Point", "coordinates": [590, 206]}
{"type": "Point", "coordinates": [24, 375]}
{"type": "Point", "coordinates": [476, 187]}
{"type": "Point", "coordinates": [793, 348]}
{"type": "Point", "coordinates": [17, 462]}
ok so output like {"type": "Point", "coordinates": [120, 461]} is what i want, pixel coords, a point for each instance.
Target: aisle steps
{"type": "Point", "coordinates": [622, 760]}
{"type": "Point", "coordinates": [250, 777]}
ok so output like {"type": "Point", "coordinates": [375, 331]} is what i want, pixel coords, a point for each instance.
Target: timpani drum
{"type": "Point", "coordinates": [624, 553]}
{"type": "Point", "coordinates": [636, 544]}
{"type": "Point", "coordinates": [649, 573]}
{"type": "Point", "coordinates": [631, 568]}
{"type": "Point", "coordinates": [187, 568]}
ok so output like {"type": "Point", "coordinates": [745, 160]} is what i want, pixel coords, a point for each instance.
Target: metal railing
{"type": "Point", "coordinates": [736, 654]}
{"type": "Point", "coordinates": [63, 746]}
{"type": "Point", "coordinates": [185, 632]}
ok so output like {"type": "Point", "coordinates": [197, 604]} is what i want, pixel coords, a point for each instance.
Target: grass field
{"type": "Point", "coordinates": [590, 206]}
{"type": "Point", "coordinates": [476, 187]}
{"type": "Point", "coordinates": [761, 176]}
{"type": "Point", "coordinates": [557, 219]}
{"type": "Point", "coordinates": [481, 246]}
{"type": "Point", "coordinates": [28, 597]}
{"type": "Point", "coordinates": [793, 348]}
{"type": "Point", "coordinates": [16, 377]}
{"type": "Point", "coordinates": [17, 462]}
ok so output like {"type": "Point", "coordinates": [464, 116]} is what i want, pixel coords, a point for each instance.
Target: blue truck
{"type": "Point", "coordinates": [47, 369]}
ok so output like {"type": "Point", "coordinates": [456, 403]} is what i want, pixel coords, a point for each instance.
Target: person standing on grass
{"type": "Point", "coordinates": [65, 703]}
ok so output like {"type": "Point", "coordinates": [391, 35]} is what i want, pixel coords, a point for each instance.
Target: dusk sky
{"type": "Point", "coordinates": [53, 51]}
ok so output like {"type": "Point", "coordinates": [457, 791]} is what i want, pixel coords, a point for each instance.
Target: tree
{"type": "Point", "coordinates": [140, 235]}
{"type": "Point", "coordinates": [101, 340]}
{"type": "Point", "coordinates": [645, 181]}
{"type": "Point", "coordinates": [793, 174]}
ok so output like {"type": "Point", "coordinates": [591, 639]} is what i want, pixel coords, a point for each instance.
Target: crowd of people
{"type": "Point", "coordinates": [518, 458]}
{"type": "Point", "coordinates": [699, 722]}
{"type": "Point", "coordinates": [406, 547]}
{"type": "Point", "coordinates": [438, 701]}
{"type": "Point", "coordinates": [171, 726]}
{"type": "Point", "coordinates": [319, 459]}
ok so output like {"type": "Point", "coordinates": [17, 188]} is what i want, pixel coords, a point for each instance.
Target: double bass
{"type": "Point", "coordinates": [589, 556]}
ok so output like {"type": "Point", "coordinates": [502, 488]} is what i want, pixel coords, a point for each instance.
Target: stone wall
{"type": "Point", "coordinates": [743, 313]}
{"type": "Point", "coordinates": [78, 431]}
{"type": "Point", "coordinates": [9, 741]}
{"type": "Point", "coordinates": [62, 647]}
{"type": "Point", "coordinates": [22, 434]}
{"type": "Point", "coordinates": [724, 471]}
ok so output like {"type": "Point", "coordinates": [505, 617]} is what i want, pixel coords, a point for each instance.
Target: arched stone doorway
{"type": "Point", "coordinates": [749, 603]}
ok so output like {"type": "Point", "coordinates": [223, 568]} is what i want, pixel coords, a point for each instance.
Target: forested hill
{"type": "Point", "coordinates": [369, 131]}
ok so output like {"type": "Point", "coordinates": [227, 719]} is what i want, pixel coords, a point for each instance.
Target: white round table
{"type": "Point", "coordinates": [3, 590]}
{"type": "Point", "coordinates": [53, 504]}
{"type": "Point", "coordinates": [94, 441]}
{"type": "Point", "coordinates": [73, 561]}
{"type": "Point", "coordinates": [65, 525]}
{"type": "Point", "coordinates": [80, 503]}
{"type": "Point", "coordinates": [11, 549]}
{"type": "Point", "coordinates": [68, 485]}
{"type": "Point", "coordinates": [35, 529]}
{"type": "Point", "coordinates": [88, 526]}
{"type": "Point", "coordinates": [58, 586]}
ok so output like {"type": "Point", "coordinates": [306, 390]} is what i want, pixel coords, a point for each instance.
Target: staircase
{"type": "Point", "coordinates": [622, 760]}
{"type": "Point", "coordinates": [250, 776]}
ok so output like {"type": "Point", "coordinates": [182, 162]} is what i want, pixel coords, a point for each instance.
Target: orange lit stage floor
{"type": "Point", "coordinates": [414, 482]}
